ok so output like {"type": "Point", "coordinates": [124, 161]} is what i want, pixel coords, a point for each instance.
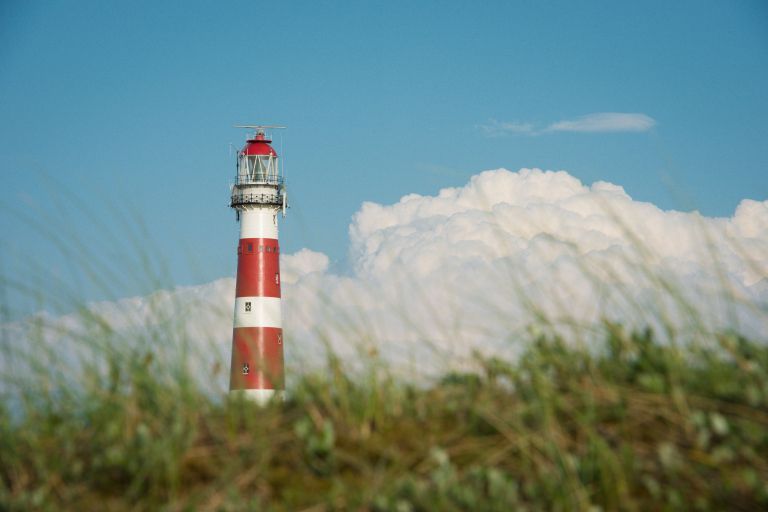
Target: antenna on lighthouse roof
{"type": "Point", "coordinates": [259, 128]}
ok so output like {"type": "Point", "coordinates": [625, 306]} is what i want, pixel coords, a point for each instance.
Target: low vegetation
{"type": "Point", "coordinates": [632, 424]}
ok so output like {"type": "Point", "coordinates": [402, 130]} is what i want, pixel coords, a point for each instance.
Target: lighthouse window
{"type": "Point", "coordinates": [250, 247]}
{"type": "Point", "coordinates": [247, 306]}
{"type": "Point", "coordinates": [269, 249]}
{"type": "Point", "coordinates": [261, 248]}
{"type": "Point", "coordinates": [277, 278]}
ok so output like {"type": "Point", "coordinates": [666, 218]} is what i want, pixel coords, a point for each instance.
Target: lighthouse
{"type": "Point", "coordinates": [258, 197]}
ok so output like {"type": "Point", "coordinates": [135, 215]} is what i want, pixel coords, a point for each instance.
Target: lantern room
{"type": "Point", "coordinates": [257, 162]}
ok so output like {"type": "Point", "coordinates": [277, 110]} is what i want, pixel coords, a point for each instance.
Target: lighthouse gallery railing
{"type": "Point", "coordinates": [258, 180]}
{"type": "Point", "coordinates": [248, 198]}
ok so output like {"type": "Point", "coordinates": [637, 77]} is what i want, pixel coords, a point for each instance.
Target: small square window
{"type": "Point", "coordinates": [247, 306]}
{"type": "Point", "coordinates": [250, 247]}
{"type": "Point", "coordinates": [261, 248]}
{"type": "Point", "coordinates": [269, 249]}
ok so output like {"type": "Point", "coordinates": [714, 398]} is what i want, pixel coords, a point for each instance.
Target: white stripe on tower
{"type": "Point", "coordinates": [258, 224]}
{"type": "Point", "coordinates": [263, 312]}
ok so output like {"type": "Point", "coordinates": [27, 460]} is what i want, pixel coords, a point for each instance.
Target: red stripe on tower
{"type": "Point", "coordinates": [258, 195]}
{"type": "Point", "coordinates": [258, 268]}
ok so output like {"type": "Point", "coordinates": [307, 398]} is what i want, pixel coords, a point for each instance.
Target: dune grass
{"type": "Point", "coordinates": [633, 425]}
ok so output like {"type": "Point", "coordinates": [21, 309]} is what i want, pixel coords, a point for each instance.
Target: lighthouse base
{"type": "Point", "coordinates": [259, 396]}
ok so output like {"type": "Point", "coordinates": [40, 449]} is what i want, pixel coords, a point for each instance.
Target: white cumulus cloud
{"type": "Point", "coordinates": [477, 267]}
{"type": "Point", "coordinates": [471, 267]}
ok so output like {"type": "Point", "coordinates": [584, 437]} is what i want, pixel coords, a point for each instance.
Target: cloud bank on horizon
{"type": "Point", "coordinates": [477, 267]}
{"type": "Point", "coordinates": [601, 122]}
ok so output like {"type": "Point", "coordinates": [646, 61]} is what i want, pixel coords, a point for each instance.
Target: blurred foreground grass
{"type": "Point", "coordinates": [629, 425]}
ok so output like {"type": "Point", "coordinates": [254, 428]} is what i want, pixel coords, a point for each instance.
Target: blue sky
{"type": "Point", "coordinates": [130, 105]}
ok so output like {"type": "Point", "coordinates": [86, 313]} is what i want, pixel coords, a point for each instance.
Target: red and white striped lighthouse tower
{"type": "Point", "coordinates": [258, 196]}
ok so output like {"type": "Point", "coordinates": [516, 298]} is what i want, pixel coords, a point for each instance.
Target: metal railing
{"type": "Point", "coordinates": [243, 199]}
{"type": "Point", "coordinates": [258, 179]}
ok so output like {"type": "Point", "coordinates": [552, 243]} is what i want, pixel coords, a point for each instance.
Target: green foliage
{"type": "Point", "coordinates": [631, 425]}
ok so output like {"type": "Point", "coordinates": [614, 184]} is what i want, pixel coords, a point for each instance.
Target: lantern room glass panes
{"type": "Point", "coordinates": [257, 168]}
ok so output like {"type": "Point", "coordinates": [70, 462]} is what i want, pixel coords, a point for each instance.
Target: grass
{"type": "Point", "coordinates": [631, 425]}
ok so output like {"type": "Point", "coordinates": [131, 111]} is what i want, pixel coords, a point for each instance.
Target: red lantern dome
{"type": "Point", "coordinates": [259, 145]}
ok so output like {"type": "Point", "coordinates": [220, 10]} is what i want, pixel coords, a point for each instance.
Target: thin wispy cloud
{"type": "Point", "coordinates": [496, 128]}
{"type": "Point", "coordinates": [605, 122]}
{"type": "Point", "coordinates": [600, 122]}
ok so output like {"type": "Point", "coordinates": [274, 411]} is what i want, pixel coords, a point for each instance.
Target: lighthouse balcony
{"type": "Point", "coordinates": [258, 179]}
{"type": "Point", "coordinates": [246, 198]}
